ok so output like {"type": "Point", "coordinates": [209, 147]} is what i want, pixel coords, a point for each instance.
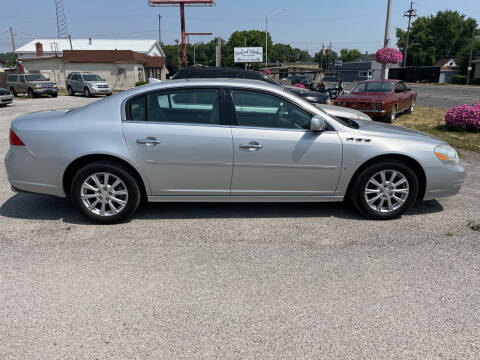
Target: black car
{"type": "Point", "coordinates": [222, 72]}
{"type": "Point", "coordinates": [237, 73]}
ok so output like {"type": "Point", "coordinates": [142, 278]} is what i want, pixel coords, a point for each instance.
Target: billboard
{"type": "Point", "coordinates": [248, 54]}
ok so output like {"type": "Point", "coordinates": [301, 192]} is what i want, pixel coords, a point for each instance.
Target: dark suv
{"type": "Point", "coordinates": [222, 72]}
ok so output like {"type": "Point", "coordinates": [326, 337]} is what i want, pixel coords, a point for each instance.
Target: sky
{"type": "Point", "coordinates": [306, 24]}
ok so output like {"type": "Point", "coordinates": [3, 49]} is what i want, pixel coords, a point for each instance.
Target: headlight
{"type": "Point", "coordinates": [37, 86]}
{"type": "Point", "coordinates": [55, 86]}
{"type": "Point", "coordinates": [446, 154]}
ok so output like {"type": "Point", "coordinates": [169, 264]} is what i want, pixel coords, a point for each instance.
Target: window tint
{"type": "Point", "coordinates": [196, 106]}
{"type": "Point", "coordinates": [76, 77]}
{"type": "Point", "coordinates": [21, 78]}
{"type": "Point", "coordinates": [12, 78]}
{"type": "Point", "coordinates": [263, 110]}
{"type": "Point", "coordinates": [138, 108]}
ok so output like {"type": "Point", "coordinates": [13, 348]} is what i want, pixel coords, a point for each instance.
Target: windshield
{"type": "Point", "coordinates": [92, 78]}
{"type": "Point", "coordinates": [374, 86]}
{"type": "Point", "coordinates": [35, 77]}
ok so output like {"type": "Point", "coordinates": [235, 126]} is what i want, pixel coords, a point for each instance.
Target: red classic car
{"type": "Point", "coordinates": [380, 98]}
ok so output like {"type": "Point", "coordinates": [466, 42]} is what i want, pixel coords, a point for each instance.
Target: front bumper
{"type": "Point", "coordinates": [6, 99]}
{"type": "Point", "coordinates": [444, 180]}
{"type": "Point", "coordinates": [46, 91]}
{"type": "Point", "coordinates": [101, 91]}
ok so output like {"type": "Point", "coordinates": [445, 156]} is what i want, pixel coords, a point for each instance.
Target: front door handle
{"type": "Point", "coordinates": [149, 141]}
{"type": "Point", "coordinates": [252, 146]}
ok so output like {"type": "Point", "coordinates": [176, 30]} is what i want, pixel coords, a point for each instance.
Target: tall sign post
{"type": "Point", "coordinates": [182, 4]}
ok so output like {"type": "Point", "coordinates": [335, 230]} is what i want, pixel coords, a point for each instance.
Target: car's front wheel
{"type": "Point", "coordinates": [385, 190]}
{"type": "Point", "coordinates": [411, 109]}
{"type": "Point", "coordinates": [30, 93]}
{"type": "Point", "coordinates": [70, 91]}
{"type": "Point", "coordinates": [106, 192]}
{"type": "Point", "coordinates": [86, 92]}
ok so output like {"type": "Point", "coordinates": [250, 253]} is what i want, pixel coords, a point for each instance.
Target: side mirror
{"type": "Point", "coordinates": [317, 123]}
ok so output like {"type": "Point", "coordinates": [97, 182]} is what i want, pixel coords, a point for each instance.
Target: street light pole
{"type": "Point", "coordinates": [471, 53]}
{"type": "Point", "coordinates": [266, 33]}
{"type": "Point", "coordinates": [387, 37]}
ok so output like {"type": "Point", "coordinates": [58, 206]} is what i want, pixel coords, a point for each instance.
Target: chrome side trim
{"type": "Point", "coordinates": [242, 198]}
{"type": "Point", "coordinates": [206, 163]}
{"type": "Point", "coordinates": [328, 167]}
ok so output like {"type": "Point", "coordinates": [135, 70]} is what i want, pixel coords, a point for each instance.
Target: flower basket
{"type": "Point", "coordinates": [388, 56]}
{"type": "Point", "coordinates": [267, 72]}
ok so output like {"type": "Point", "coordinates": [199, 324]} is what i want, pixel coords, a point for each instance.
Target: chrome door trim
{"type": "Point", "coordinates": [153, 162]}
{"type": "Point", "coordinates": [329, 167]}
{"type": "Point", "coordinates": [245, 198]}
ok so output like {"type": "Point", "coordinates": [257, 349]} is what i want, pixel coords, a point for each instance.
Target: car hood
{"type": "Point", "coordinates": [364, 97]}
{"type": "Point", "coordinates": [388, 130]}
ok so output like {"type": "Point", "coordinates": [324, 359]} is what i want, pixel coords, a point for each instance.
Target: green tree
{"type": "Point", "coordinates": [9, 58]}
{"type": "Point", "coordinates": [349, 55]}
{"type": "Point", "coordinates": [443, 35]}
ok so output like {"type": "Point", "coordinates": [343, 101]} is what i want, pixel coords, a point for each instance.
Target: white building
{"type": "Point", "coordinates": [55, 47]}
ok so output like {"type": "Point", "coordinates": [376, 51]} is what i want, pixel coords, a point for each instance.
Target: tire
{"type": "Point", "coordinates": [14, 93]}
{"type": "Point", "coordinates": [411, 108]}
{"type": "Point", "coordinates": [392, 115]}
{"type": "Point", "coordinates": [86, 92]}
{"type": "Point", "coordinates": [108, 94]}
{"type": "Point", "coordinates": [30, 93]}
{"type": "Point", "coordinates": [70, 91]}
{"type": "Point", "coordinates": [85, 177]}
{"type": "Point", "coordinates": [54, 95]}
{"type": "Point", "coordinates": [363, 191]}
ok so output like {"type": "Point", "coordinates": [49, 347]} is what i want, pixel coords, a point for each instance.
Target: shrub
{"type": "Point", "coordinates": [459, 79]}
{"type": "Point", "coordinates": [301, 86]}
{"type": "Point", "coordinates": [139, 83]}
{"type": "Point", "coordinates": [464, 117]}
{"type": "Point", "coordinates": [389, 56]}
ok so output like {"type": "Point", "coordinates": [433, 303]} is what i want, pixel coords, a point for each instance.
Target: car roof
{"type": "Point", "coordinates": [386, 80]}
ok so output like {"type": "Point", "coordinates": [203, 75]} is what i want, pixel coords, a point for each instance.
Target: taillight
{"type": "Point", "coordinates": [15, 140]}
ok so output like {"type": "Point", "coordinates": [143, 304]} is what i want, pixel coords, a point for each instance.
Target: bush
{"type": "Point", "coordinates": [459, 79]}
{"type": "Point", "coordinates": [140, 83]}
{"type": "Point", "coordinates": [464, 117]}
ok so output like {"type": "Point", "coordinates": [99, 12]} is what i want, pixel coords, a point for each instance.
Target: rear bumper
{"type": "Point", "coordinates": [6, 99]}
{"type": "Point", "coordinates": [45, 91]}
{"type": "Point", "coordinates": [444, 180]}
{"type": "Point", "coordinates": [29, 173]}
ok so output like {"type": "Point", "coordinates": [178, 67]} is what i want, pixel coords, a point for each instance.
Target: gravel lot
{"type": "Point", "coordinates": [237, 280]}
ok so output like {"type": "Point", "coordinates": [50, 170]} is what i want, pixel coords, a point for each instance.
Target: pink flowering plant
{"type": "Point", "coordinates": [267, 72]}
{"type": "Point", "coordinates": [389, 56]}
{"type": "Point", "coordinates": [464, 117]}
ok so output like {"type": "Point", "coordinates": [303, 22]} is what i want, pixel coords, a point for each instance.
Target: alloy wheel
{"type": "Point", "coordinates": [104, 194]}
{"type": "Point", "coordinates": [387, 191]}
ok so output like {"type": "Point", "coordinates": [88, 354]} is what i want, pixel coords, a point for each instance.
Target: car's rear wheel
{"type": "Point", "coordinates": [70, 91]}
{"type": "Point", "coordinates": [30, 93]}
{"type": "Point", "coordinates": [105, 192]}
{"type": "Point", "coordinates": [385, 190]}
{"type": "Point", "coordinates": [86, 92]}
{"type": "Point", "coordinates": [392, 115]}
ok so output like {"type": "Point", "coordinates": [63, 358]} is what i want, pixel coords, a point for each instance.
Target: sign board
{"type": "Point", "coordinates": [338, 62]}
{"type": "Point", "coordinates": [248, 54]}
{"type": "Point", "coordinates": [470, 68]}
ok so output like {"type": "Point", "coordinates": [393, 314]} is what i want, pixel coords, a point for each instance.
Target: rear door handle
{"type": "Point", "coordinates": [252, 146]}
{"type": "Point", "coordinates": [149, 141]}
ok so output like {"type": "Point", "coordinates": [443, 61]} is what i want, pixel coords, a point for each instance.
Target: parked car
{"type": "Point", "coordinates": [380, 99]}
{"type": "Point", "coordinates": [88, 84]}
{"type": "Point", "coordinates": [31, 84]}
{"type": "Point", "coordinates": [198, 72]}
{"type": "Point", "coordinates": [311, 96]}
{"type": "Point", "coordinates": [5, 97]}
{"type": "Point", "coordinates": [223, 141]}
{"type": "Point", "coordinates": [343, 112]}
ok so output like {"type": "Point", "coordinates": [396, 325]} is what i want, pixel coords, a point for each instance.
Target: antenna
{"type": "Point", "coordinates": [61, 20]}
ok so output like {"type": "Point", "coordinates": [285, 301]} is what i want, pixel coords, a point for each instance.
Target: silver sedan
{"type": "Point", "coordinates": [223, 141]}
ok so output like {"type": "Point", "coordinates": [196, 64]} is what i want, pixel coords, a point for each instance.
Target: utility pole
{"type": "Point", "coordinates": [409, 13]}
{"type": "Point", "coordinates": [70, 40]}
{"type": "Point", "coordinates": [159, 29]}
{"type": "Point", "coordinates": [194, 60]}
{"type": "Point", "coordinates": [266, 41]}
{"type": "Point", "coordinates": [218, 53]}
{"type": "Point", "coordinates": [329, 53]}
{"type": "Point", "coordinates": [13, 42]}
{"type": "Point", "coordinates": [387, 38]}
{"type": "Point", "coordinates": [178, 53]}
{"type": "Point", "coordinates": [471, 53]}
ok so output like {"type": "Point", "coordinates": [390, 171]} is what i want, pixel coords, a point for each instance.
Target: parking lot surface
{"type": "Point", "coordinates": [237, 280]}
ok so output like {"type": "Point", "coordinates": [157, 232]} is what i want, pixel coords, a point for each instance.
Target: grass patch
{"type": "Point", "coordinates": [449, 233]}
{"type": "Point", "coordinates": [431, 120]}
{"type": "Point", "coordinates": [474, 225]}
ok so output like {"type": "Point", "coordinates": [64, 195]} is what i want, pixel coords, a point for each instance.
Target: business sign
{"type": "Point", "coordinates": [338, 62]}
{"type": "Point", "coordinates": [248, 54]}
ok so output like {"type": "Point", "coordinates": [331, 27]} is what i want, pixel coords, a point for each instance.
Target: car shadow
{"type": "Point", "coordinates": [44, 207]}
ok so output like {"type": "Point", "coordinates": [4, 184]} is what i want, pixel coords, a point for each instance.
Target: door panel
{"type": "Point", "coordinates": [181, 142]}
{"type": "Point", "coordinates": [289, 162]}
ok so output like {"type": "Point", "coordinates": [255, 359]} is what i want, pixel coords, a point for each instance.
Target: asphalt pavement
{"type": "Point", "coordinates": [230, 281]}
